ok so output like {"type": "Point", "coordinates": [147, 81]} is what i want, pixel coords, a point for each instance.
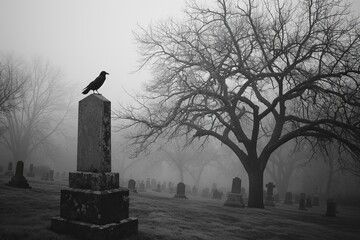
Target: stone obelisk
{"type": "Point", "coordinates": [94, 207]}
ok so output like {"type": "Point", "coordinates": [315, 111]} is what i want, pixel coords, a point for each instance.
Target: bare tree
{"type": "Point", "coordinates": [283, 163]}
{"type": "Point", "coordinates": [40, 113]}
{"type": "Point", "coordinates": [12, 79]}
{"type": "Point", "coordinates": [227, 71]}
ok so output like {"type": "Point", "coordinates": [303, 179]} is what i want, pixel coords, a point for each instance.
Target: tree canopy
{"type": "Point", "coordinates": [241, 71]}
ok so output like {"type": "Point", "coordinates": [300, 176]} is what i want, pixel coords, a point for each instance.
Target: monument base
{"type": "Point", "coordinates": [269, 201]}
{"type": "Point", "coordinates": [234, 200]}
{"type": "Point", "coordinates": [90, 231]}
{"type": "Point", "coordinates": [180, 196]}
{"type": "Point", "coordinates": [19, 182]}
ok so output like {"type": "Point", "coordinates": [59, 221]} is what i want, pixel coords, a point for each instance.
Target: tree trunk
{"type": "Point", "coordinates": [256, 183]}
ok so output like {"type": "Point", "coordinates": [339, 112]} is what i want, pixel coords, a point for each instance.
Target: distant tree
{"type": "Point", "coordinates": [283, 163]}
{"type": "Point", "coordinates": [227, 71]}
{"type": "Point", "coordinates": [12, 79]}
{"type": "Point", "coordinates": [40, 113]}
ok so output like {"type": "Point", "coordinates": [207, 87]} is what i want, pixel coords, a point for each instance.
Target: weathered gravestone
{"type": "Point", "coordinates": [269, 199]}
{"type": "Point", "coordinates": [302, 201]}
{"type": "Point", "coordinates": [288, 198]}
{"type": "Point", "coordinates": [316, 200]}
{"type": "Point", "coordinates": [31, 171]}
{"type": "Point", "coordinates": [158, 188]}
{"type": "Point", "coordinates": [330, 208]}
{"type": "Point", "coordinates": [217, 194]}
{"type": "Point", "coordinates": [9, 172]}
{"type": "Point", "coordinates": [180, 191]}
{"type": "Point", "coordinates": [235, 197]}
{"type": "Point", "coordinates": [132, 186]}
{"type": "Point", "coordinates": [308, 202]}
{"type": "Point", "coordinates": [18, 180]}
{"type": "Point", "coordinates": [142, 187]}
{"type": "Point", "coordinates": [94, 207]}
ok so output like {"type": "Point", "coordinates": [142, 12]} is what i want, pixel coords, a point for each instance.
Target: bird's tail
{"type": "Point", "coordinates": [86, 90]}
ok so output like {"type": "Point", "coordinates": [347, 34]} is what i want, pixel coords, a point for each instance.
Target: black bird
{"type": "Point", "coordinates": [96, 84]}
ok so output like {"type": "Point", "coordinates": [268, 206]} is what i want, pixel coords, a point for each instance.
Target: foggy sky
{"type": "Point", "coordinates": [83, 37]}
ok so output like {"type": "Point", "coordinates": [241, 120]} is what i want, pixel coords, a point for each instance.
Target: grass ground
{"type": "Point", "coordinates": [26, 213]}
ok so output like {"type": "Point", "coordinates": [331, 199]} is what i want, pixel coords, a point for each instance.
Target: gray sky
{"type": "Point", "coordinates": [83, 37]}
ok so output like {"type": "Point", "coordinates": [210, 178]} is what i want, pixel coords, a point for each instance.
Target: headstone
{"type": "Point", "coordinates": [205, 193]}
{"type": "Point", "coordinates": [302, 201]}
{"type": "Point", "coordinates": [18, 180]}
{"type": "Point", "coordinates": [57, 175]}
{"type": "Point", "coordinates": [148, 184]}
{"type": "Point", "coordinates": [330, 208]}
{"type": "Point", "coordinates": [31, 171]}
{"type": "Point", "coordinates": [94, 207]}
{"type": "Point", "coordinates": [288, 198]}
{"type": "Point", "coordinates": [158, 187]}
{"type": "Point", "coordinates": [51, 175]}
{"type": "Point", "coordinates": [217, 194]}
{"type": "Point", "coordinates": [234, 198]}
{"type": "Point", "coordinates": [132, 186]}
{"type": "Point", "coordinates": [9, 172]}
{"type": "Point", "coordinates": [269, 199]}
{"type": "Point", "coordinates": [316, 200]}
{"type": "Point", "coordinates": [180, 191]}
{"type": "Point", "coordinates": [308, 202]}
{"type": "Point", "coordinates": [142, 187]}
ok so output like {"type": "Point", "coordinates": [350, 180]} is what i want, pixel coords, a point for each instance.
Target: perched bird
{"type": "Point", "coordinates": [96, 84]}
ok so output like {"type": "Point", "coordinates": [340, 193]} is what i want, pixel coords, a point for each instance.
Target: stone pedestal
{"type": "Point", "coordinates": [234, 200]}
{"type": "Point", "coordinates": [269, 201]}
{"type": "Point", "coordinates": [94, 207]}
{"type": "Point", "coordinates": [18, 180]}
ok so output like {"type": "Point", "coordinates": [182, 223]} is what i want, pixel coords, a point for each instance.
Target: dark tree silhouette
{"type": "Point", "coordinates": [227, 71]}
{"type": "Point", "coordinates": [12, 79]}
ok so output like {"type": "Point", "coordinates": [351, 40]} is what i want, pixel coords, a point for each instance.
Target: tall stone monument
{"type": "Point", "coordinates": [234, 198]}
{"type": "Point", "coordinates": [94, 207]}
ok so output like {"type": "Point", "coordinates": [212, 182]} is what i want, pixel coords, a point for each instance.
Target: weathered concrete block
{"type": "Point", "coordinates": [94, 181]}
{"type": "Point", "coordinates": [98, 207]}
{"type": "Point", "coordinates": [82, 230]}
{"type": "Point", "coordinates": [94, 134]}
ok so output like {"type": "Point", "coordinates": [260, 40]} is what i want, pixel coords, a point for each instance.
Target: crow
{"type": "Point", "coordinates": [96, 84]}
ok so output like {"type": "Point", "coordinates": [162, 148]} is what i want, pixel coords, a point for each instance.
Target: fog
{"type": "Point", "coordinates": [81, 38]}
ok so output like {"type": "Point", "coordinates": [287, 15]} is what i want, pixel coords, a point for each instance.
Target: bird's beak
{"type": "Point", "coordinates": [107, 73]}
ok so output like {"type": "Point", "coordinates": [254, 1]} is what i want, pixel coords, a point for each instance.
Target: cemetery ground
{"type": "Point", "coordinates": [26, 214]}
